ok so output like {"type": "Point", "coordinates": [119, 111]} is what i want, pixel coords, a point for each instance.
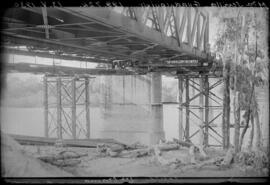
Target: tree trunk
{"type": "Point", "coordinates": [251, 136]}
{"type": "Point", "coordinates": [249, 113]}
{"type": "Point", "coordinates": [236, 121]}
{"type": "Point", "coordinates": [226, 106]}
{"type": "Point", "coordinates": [258, 130]}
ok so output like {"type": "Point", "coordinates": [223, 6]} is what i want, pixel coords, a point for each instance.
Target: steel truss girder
{"type": "Point", "coordinates": [172, 18]}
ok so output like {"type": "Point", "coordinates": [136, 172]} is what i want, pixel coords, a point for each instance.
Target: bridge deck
{"type": "Point", "coordinates": [144, 38]}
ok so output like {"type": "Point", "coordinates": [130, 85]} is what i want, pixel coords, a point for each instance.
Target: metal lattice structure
{"type": "Point", "coordinates": [200, 119]}
{"type": "Point", "coordinates": [66, 107]}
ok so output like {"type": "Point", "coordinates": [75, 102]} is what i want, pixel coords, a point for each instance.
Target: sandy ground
{"type": "Point", "coordinates": [94, 165]}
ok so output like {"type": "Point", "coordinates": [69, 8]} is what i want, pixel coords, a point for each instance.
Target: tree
{"type": "Point", "coordinates": [238, 43]}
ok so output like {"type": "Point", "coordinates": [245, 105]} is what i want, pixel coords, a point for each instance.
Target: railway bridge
{"type": "Point", "coordinates": [133, 47]}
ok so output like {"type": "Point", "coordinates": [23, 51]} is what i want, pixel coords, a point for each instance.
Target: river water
{"type": "Point", "coordinates": [29, 121]}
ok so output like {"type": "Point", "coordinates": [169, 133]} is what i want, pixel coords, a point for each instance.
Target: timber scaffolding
{"type": "Point", "coordinates": [173, 41]}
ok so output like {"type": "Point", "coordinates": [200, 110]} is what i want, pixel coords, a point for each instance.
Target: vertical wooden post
{"type": "Point", "coordinates": [206, 86]}
{"type": "Point", "coordinates": [187, 110]}
{"type": "Point", "coordinates": [180, 113]}
{"type": "Point", "coordinates": [73, 107]}
{"type": "Point", "coordinates": [59, 108]}
{"type": "Point", "coordinates": [87, 108]}
{"type": "Point", "coordinates": [46, 106]}
{"type": "Point", "coordinates": [202, 136]}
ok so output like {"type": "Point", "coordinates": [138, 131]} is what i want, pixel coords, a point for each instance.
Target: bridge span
{"type": "Point", "coordinates": [148, 41]}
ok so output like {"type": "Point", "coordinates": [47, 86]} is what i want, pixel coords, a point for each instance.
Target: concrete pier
{"type": "Point", "coordinates": [156, 130]}
{"type": "Point", "coordinates": [135, 113]}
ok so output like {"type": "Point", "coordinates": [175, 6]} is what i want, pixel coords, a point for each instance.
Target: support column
{"type": "Point", "coordinates": [156, 125]}
{"type": "Point", "coordinates": [59, 108]}
{"type": "Point", "coordinates": [202, 134]}
{"type": "Point", "coordinates": [187, 110]}
{"type": "Point", "coordinates": [206, 86]}
{"type": "Point", "coordinates": [180, 112]}
{"type": "Point", "coordinates": [46, 106]}
{"type": "Point", "coordinates": [73, 107]}
{"type": "Point", "coordinates": [87, 108]}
